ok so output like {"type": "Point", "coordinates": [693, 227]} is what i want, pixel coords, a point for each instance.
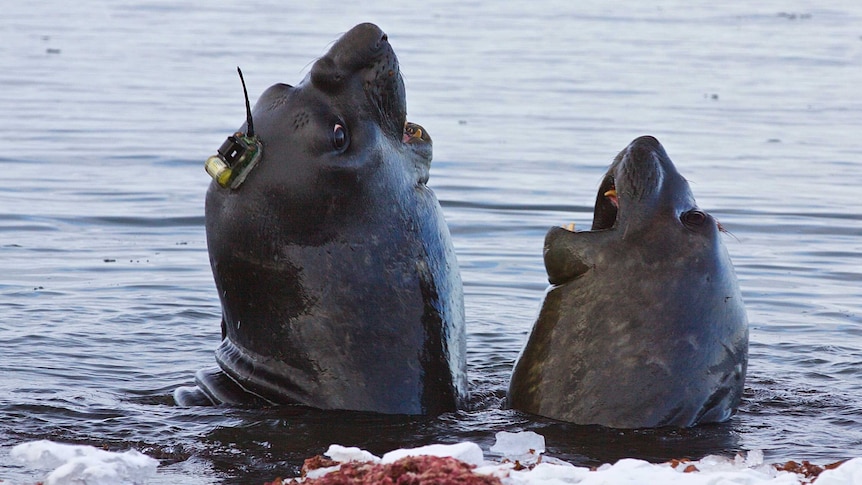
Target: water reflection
{"type": "Point", "coordinates": [107, 297]}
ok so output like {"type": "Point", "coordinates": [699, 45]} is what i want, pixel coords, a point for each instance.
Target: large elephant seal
{"type": "Point", "coordinates": [644, 325]}
{"type": "Point", "coordinates": [335, 268]}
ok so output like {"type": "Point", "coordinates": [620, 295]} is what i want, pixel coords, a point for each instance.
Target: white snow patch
{"type": "Point", "coordinates": [849, 472]}
{"type": "Point", "coordinates": [543, 470]}
{"type": "Point", "coordinates": [632, 471]}
{"type": "Point", "coordinates": [346, 454]}
{"type": "Point", "coordinates": [467, 452]}
{"type": "Point", "coordinates": [85, 465]}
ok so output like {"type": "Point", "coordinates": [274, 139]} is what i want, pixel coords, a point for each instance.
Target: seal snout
{"type": "Point", "coordinates": [360, 48]}
{"type": "Point", "coordinates": [641, 170]}
{"type": "Point", "coordinates": [646, 142]}
{"type": "Point", "coordinates": [638, 172]}
{"type": "Point", "coordinates": [644, 154]}
{"type": "Point", "coordinates": [644, 150]}
{"type": "Point", "coordinates": [362, 67]}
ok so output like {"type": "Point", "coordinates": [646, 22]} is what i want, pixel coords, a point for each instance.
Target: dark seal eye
{"type": "Point", "coordinates": [339, 137]}
{"type": "Point", "coordinates": [693, 218]}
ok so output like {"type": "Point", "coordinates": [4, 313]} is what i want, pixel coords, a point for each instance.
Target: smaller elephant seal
{"type": "Point", "coordinates": [644, 325]}
{"type": "Point", "coordinates": [335, 268]}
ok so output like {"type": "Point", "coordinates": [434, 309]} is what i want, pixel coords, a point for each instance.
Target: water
{"type": "Point", "coordinates": [109, 108]}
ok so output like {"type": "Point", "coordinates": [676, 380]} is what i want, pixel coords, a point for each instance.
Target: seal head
{"type": "Point", "coordinates": [644, 324]}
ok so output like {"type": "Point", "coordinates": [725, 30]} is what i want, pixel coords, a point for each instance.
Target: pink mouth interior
{"type": "Point", "coordinates": [611, 194]}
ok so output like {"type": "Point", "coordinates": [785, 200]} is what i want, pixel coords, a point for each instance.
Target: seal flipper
{"type": "Point", "coordinates": [569, 254]}
{"type": "Point", "coordinates": [192, 396]}
{"type": "Point", "coordinates": [214, 387]}
{"type": "Point", "coordinates": [221, 389]}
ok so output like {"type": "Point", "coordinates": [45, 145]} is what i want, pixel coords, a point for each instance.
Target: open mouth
{"type": "Point", "coordinates": [417, 141]}
{"type": "Point", "coordinates": [607, 206]}
{"type": "Point", "coordinates": [611, 194]}
{"type": "Point", "coordinates": [414, 133]}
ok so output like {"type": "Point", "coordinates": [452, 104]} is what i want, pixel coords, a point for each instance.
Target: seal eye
{"type": "Point", "coordinates": [693, 218]}
{"type": "Point", "coordinates": [339, 137]}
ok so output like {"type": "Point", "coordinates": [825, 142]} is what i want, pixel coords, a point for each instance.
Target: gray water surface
{"type": "Point", "coordinates": [110, 108]}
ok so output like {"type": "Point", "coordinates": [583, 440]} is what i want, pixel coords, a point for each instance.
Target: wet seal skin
{"type": "Point", "coordinates": [335, 268]}
{"type": "Point", "coordinates": [644, 324]}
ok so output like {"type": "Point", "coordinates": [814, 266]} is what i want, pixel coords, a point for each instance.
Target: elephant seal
{"type": "Point", "coordinates": [334, 265]}
{"type": "Point", "coordinates": [644, 324]}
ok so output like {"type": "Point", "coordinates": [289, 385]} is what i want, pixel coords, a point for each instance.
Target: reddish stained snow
{"type": "Point", "coordinates": [411, 470]}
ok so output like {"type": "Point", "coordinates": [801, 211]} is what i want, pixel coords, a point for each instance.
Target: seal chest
{"type": "Point", "coordinates": [335, 268]}
{"type": "Point", "coordinates": [644, 325]}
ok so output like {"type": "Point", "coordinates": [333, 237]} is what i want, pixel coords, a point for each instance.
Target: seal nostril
{"type": "Point", "coordinates": [385, 38]}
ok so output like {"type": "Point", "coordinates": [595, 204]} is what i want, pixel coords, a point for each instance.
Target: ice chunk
{"type": "Point", "coordinates": [467, 452]}
{"type": "Point", "coordinates": [515, 445]}
{"type": "Point", "coordinates": [345, 454]}
{"type": "Point", "coordinates": [754, 458]}
{"type": "Point", "coordinates": [848, 472]}
{"type": "Point", "coordinates": [79, 464]}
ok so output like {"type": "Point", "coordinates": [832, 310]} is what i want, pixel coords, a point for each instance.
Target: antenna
{"type": "Point", "coordinates": [247, 106]}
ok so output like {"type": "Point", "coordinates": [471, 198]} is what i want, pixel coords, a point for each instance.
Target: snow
{"type": "Point", "coordinates": [524, 447]}
{"type": "Point", "coordinates": [86, 465]}
{"type": "Point", "coordinates": [344, 454]}
{"type": "Point", "coordinates": [632, 471]}
{"type": "Point", "coordinates": [467, 452]}
{"type": "Point", "coordinates": [527, 447]}
{"type": "Point", "coordinates": [848, 472]}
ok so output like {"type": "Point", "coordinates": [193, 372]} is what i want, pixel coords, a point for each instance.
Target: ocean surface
{"type": "Point", "coordinates": [109, 109]}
